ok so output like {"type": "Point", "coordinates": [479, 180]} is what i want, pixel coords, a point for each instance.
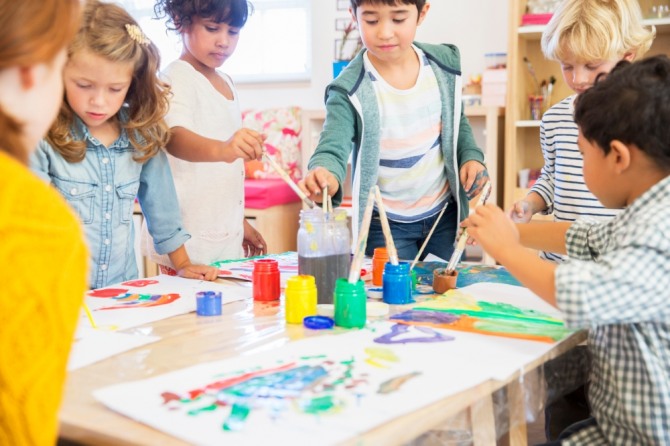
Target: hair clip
{"type": "Point", "coordinates": [136, 34]}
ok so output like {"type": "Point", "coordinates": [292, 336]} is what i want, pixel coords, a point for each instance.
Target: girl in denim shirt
{"type": "Point", "coordinates": [105, 147]}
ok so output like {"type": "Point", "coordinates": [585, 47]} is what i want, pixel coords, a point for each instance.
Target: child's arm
{"type": "Point", "coordinates": [246, 144]}
{"type": "Point", "coordinates": [182, 264]}
{"type": "Point", "coordinates": [502, 239]}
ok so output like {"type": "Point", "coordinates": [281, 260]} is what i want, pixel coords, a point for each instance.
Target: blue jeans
{"type": "Point", "coordinates": [408, 237]}
{"type": "Point", "coordinates": [571, 430]}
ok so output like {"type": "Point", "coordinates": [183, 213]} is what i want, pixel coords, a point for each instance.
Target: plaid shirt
{"type": "Point", "coordinates": [617, 284]}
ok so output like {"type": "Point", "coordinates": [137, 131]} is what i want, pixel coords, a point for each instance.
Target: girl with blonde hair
{"type": "Point", "coordinates": [105, 148]}
{"type": "Point", "coordinates": [40, 301]}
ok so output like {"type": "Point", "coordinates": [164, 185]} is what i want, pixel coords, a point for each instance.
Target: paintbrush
{"type": "Point", "coordinates": [460, 246]}
{"type": "Point", "coordinates": [90, 316]}
{"type": "Point", "coordinates": [285, 176]}
{"type": "Point", "coordinates": [550, 89]}
{"type": "Point", "coordinates": [355, 269]}
{"type": "Point", "coordinates": [390, 246]}
{"type": "Point", "coordinates": [425, 242]}
{"type": "Point", "coordinates": [531, 71]}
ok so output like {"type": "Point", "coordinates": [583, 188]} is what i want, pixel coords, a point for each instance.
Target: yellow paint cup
{"type": "Point", "coordinates": [300, 298]}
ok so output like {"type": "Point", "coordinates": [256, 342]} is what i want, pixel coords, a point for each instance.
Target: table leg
{"type": "Point", "coordinates": [483, 422]}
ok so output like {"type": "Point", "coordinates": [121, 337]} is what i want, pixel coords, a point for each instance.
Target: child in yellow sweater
{"type": "Point", "coordinates": [42, 250]}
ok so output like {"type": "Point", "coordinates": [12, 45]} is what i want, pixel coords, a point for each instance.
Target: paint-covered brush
{"type": "Point", "coordinates": [430, 234]}
{"type": "Point", "coordinates": [462, 240]}
{"type": "Point", "coordinates": [285, 176]}
{"type": "Point", "coordinates": [361, 242]}
{"type": "Point", "coordinates": [390, 246]}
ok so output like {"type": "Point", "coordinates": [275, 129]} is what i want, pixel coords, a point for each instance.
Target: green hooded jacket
{"type": "Point", "coordinates": [352, 125]}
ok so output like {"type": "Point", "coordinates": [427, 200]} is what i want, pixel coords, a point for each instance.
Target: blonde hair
{"type": "Point", "coordinates": [596, 30]}
{"type": "Point", "coordinates": [104, 33]}
{"type": "Point", "coordinates": [32, 32]}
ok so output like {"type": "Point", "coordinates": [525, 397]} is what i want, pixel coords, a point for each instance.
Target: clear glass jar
{"type": "Point", "coordinates": [324, 249]}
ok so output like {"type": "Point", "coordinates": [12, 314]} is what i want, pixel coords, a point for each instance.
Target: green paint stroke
{"type": "Point", "coordinates": [319, 405]}
{"type": "Point", "coordinates": [554, 332]}
{"type": "Point", "coordinates": [500, 311]}
{"type": "Point", "coordinates": [237, 418]}
{"type": "Point", "coordinates": [210, 408]}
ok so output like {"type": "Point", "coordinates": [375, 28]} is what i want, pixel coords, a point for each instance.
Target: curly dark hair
{"type": "Point", "coordinates": [631, 104]}
{"type": "Point", "coordinates": [180, 13]}
{"type": "Point", "coordinates": [419, 3]}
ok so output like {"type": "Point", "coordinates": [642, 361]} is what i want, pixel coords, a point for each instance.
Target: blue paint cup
{"type": "Point", "coordinates": [208, 303]}
{"type": "Point", "coordinates": [397, 284]}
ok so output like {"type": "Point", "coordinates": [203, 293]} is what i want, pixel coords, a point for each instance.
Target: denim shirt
{"type": "Point", "coordinates": [102, 190]}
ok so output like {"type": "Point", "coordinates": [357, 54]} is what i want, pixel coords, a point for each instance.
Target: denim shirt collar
{"type": "Point", "coordinates": [82, 132]}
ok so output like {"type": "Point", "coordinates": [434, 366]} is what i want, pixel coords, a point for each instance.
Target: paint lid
{"type": "Point", "coordinates": [318, 322]}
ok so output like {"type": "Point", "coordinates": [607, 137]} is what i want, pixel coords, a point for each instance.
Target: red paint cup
{"type": "Point", "coordinates": [265, 280]}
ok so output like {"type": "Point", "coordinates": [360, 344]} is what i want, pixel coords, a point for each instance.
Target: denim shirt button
{"type": "Point", "coordinates": [105, 160]}
{"type": "Point", "coordinates": [108, 188]}
{"type": "Point", "coordinates": [73, 191]}
{"type": "Point", "coordinates": [106, 241]}
{"type": "Point", "coordinates": [108, 216]}
{"type": "Point", "coordinates": [103, 267]}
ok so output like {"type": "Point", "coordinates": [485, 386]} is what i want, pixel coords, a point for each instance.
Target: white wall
{"type": "Point", "coordinates": [475, 26]}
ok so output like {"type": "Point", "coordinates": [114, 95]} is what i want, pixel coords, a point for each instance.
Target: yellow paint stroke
{"type": "Point", "coordinates": [452, 300]}
{"type": "Point", "coordinates": [378, 355]}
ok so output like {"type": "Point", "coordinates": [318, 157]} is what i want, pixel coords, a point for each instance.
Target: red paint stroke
{"type": "Point", "coordinates": [140, 282]}
{"type": "Point", "coordinates": [156, 300]}
{"type": "Point", "coordinates": [107, 292]}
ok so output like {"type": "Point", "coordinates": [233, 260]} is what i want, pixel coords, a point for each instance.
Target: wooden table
{"type": "Point", "coordinates": [244, 326]}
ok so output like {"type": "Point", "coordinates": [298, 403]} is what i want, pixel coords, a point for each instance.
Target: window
{"type": "Point", "coordinates": [274, 45]}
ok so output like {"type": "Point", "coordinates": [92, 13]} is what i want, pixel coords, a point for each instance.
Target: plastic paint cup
{"type": "Point", "coordinates": [379, 259]}
{"type": "Point", "coordinates": [397, 284]}
{"type": "Point", "coordinates": [208, 303]}
{"type": "Point", "coordinates": [265, 280]}
{"type": "Point", "coordinates": [350, 304]}
{"type": "Point", "coordinates": [300, 298]}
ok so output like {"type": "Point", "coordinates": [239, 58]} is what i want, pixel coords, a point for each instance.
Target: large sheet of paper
{"type": "Point", "coordinates": [320, 390]}
{"type": "Point", "coordinates": [139, 302]}
{"type": "Point", "coordinates": [92, 345]}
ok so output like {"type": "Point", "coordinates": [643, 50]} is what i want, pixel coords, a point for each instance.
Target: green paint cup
{"type": "Point", "coordinates": [350, 300]}
{"type": "Point", "coordinates": [414, 279]}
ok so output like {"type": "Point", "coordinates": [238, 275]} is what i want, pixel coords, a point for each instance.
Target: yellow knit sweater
{"type": "Point", "coordinates": [43, 266]}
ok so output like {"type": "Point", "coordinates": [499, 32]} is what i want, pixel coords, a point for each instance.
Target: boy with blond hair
{"type": "Point", "coordinates": [587, 38]}
{"type": "Point", "coordinates": [616, 278]}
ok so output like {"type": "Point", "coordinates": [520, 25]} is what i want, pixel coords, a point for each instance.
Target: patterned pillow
{"type": "Point", "coordinates": [282, 128]}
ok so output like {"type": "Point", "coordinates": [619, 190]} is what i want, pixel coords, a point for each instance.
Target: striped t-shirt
{"type": "Point", "coordinates": [411, 176]}
{"type": "Point", "coordinates": [561, 182]}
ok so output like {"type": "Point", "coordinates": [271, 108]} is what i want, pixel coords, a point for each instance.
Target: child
{"type": "Point", "coordinates": [587, 37]}
{"type": "Point", "coordinates": [42, 249]}
{"type": "Point", "coordinates": [105, 147]}
{"type": "Point", "coordinates": [615, 280]}
{"type": "Point", "coordinates": [398, 106]}
{"type": "Point", "coordinates": [207, 145]}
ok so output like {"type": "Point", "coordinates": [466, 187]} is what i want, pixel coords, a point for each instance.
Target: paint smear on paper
{"type": "Point", "coordinates": [396, 383]}
{"type": "Point", "coordinates": [140, 301]}
{"type": "Point", "coordinates": [399, 334]}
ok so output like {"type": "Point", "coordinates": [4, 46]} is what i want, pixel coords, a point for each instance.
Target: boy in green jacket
{"type": "Point", "coordinates": [397, 106]}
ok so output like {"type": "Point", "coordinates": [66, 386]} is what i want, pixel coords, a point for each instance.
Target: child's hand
{"type": "Point", "coordinates": [473, 176]}
{"type": "Point", "coordinates": [201, 272]}
{"type": "Point", "coordinates": [521, 212]}
{"type": "Point", "coordinates": [492, 229]}
{"type": "Point", "coordinates": [246, 144]}
{"type": "Point", "coordinates": [253, 242]}
{"type": "Point", "coordinates": [315, 181]}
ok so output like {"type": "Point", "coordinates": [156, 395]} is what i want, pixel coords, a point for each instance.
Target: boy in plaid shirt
{"type": "Point", "coordinates": [617, 277]}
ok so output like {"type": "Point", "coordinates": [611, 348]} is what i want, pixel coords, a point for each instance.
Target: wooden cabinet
{"type": "Point", "coordinates": [522, 134]}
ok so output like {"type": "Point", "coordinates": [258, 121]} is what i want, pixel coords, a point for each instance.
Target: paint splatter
{"type": "Point", "coordinates": [378, 355]}
{"type": "Point", "coordinates": [107, 292]}
{"type": "Point", "coordinates": [140, 282]}
{"type": "Point", "coordinates": [398, 335]}
{"type": "Point", "coordinates": [141, 301]}
{"type": "Point", "coordinates": [394, 384]}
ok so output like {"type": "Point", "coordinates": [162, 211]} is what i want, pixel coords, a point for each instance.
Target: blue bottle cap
{"type": "Point", "coordinates": [318, 322]}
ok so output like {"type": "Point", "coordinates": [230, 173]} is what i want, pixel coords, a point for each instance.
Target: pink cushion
{"type": "Point", "coordinates": [262, 194]}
